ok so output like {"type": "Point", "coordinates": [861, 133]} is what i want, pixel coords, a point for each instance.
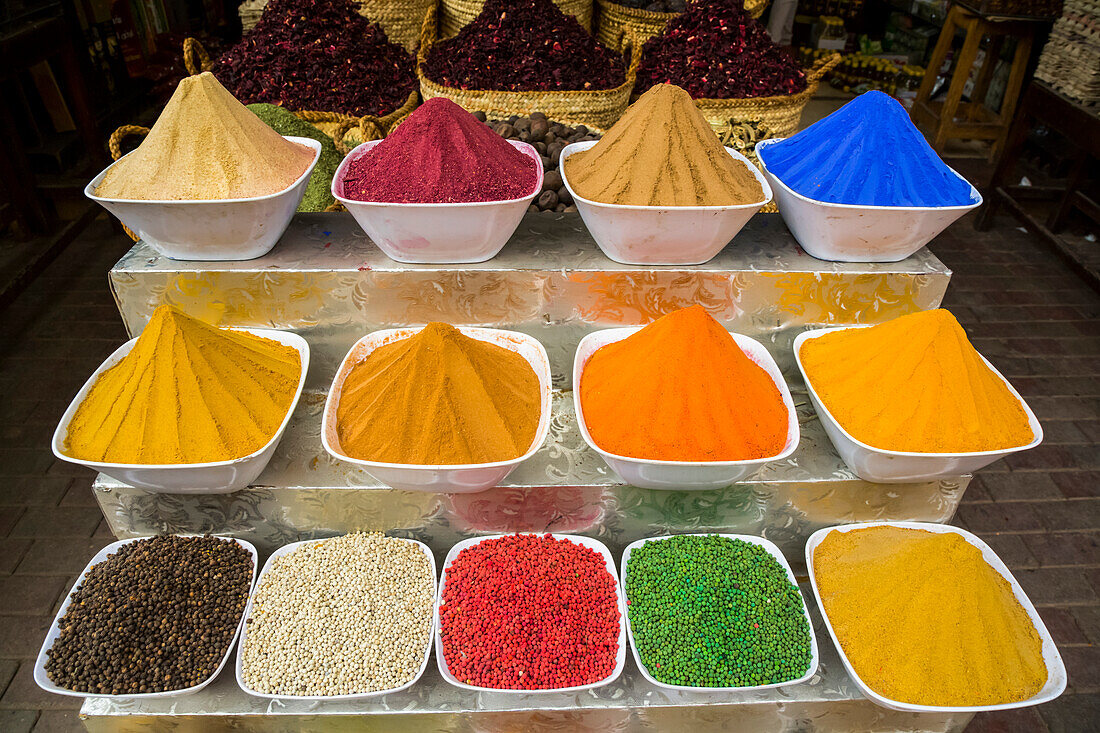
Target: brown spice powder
{"type": "Point", "coordinates": [206, 145]}
{"type": "Point", "coordinates": [662, 152]}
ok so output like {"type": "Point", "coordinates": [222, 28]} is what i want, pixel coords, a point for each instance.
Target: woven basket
{"type": "Point", "coordinates": [780, 114]}
{"type": "Point", "coordinates": [457, 14]}
{"type": "Point", "coordinates": [756, 8]}
{"type": "Point", "coordinates": [615, 23]}
{"type": "Point", "coordinates": [597, 109]}
{"type": "Point", "coordinates": [400, 19]}
{"type": "Point", "coordinates": [250, 12]}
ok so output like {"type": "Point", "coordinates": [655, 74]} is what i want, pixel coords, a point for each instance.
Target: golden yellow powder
{"type": "Point", "coordinates": [206, 145]}
{"type": "Point", "coordinates": [924, 619]}
{"type": "Point", "coordinates": [662, 152]}
{"type": "Point", "coordinates": [186, 393]}
{"type": "Point", "coordinates": [914, 384]}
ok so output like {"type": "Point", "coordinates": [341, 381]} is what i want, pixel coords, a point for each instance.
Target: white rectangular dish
{"type": "Point", "coordinates": [447, 479]}
{"type": "Point", "coordinates": [854, 233]}
{"type": "Point", "coordinates": [43, 680]}
{"type": "Point", "coordinates": [1056, 669]}
{"type": "Point", "coordinates": [437, 233]}
{"type": "Point", "coordinates": [775, 552]}
{"type": "Point", "coordinates": [213, 477]}
{"type": "Point", "coordinates": [663, 235]}
{"type": "Point", "coordinates": [879, 465]}
{"type": "Point", "coordinates": [211, 229]}
{"type": "Point", "coordinates": [620, 657]}
{"type": "Point", "coordinates": [239, 666]}
{"type": "Point", "coordinates": [683, 475]}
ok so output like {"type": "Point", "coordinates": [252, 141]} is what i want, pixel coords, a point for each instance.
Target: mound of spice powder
{"type": "Point", "coordinates": [157, 615]}
{"type": "Point", "coordinates": [206, 145]}
{"type": "Point", "coordinates": [681, 389]}
{"type": "Point", "coordinates": [318, 195]}
{"type": "Point", "coordinates": [529, 612]}
{"type": "Point", "coordinates": [715, 50]}
{"type": "Point", "coordinates": [662, 152]}
{"type": "Point", "coordinates": [187, 392]}
{"type": "Point", "coordinates": [914, 384]}
{"type": "Point", "coordinates": [524, 45]}
{"type": "Point", "coordinates": [439, 397]}
{"type": "Point", "coordinates": [924, 619]}
{"type": "Point", "coordinates": [318, 55]}
{"type": "Point", "coordinates": [441, 154]}
{"type": "Point", "coordinates": [711, 611]}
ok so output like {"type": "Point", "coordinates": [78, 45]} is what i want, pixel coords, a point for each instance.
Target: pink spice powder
{"type": "Point", "coordinates": [441, 154]}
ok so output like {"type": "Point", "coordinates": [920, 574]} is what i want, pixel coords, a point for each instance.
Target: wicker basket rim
{"type": "Point", "coordinates": [813, 78]}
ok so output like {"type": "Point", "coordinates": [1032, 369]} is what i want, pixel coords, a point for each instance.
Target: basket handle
{"type": "Point", "coordinates": [115, 141]}
{"type": "Point", "coordinates": [632, 46]}
{"type": "Point", "coordinates": [195, 58]}
{"type": "Point", "coordinates": [428, 31]}
{"type": "Point", "coordinates": [822, 67]}
{"type": "Point", "coordinates": [370, 128]}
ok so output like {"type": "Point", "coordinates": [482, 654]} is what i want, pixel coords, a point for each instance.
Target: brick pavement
{"type": "Point", "coordinates": [1040, 510]}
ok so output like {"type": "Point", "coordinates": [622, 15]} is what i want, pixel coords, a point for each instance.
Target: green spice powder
{"type": "Point", "coordinates": [318, 194]}
{"type": "Point", "coordinates": [710, 611]}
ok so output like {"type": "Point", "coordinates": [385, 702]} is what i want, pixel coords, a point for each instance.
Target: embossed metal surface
{"type": "Point", "coordinates": [828, 702]}
{"type": "Point", "coordinates": [328, 282]}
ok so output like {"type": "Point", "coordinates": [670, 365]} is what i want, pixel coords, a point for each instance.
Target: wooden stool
{"type": "Point", "coordinates": [953, 118]}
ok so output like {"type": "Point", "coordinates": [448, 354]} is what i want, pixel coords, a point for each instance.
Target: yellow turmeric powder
{"type": "Point", "coordinates": [914, 384]}
{"type": "Point", "coordinates": [186, 393]}
{"type": "Point", "coordinates": [439, 397]}
{"type": "Point", "coordinates": [924, 619]}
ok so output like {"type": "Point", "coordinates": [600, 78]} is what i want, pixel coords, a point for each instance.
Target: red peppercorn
{"type": "Point", "coordinates": [529, 612]}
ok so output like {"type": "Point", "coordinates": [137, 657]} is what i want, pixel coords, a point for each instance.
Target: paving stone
{"type": "Point", "coordinates": [59, 721]}
{"type": "Point", "coordinates": [18, 721]}
{"type": "Point", "coordinates": [1071, 713]}
{"type": "Point", "coordinates": [56, 522]}
{"type": "Point", "coordinates": [1088, 620]}
{"type": "Point", "coordinates": [1082, 667]}
{"type": "Point", "coordinates": [1043, 457]}
{"type": "Point", "coordinates": [1062, 625]}
{"type": "Point", "coordinates": [1064, 548]}
{"type": "Point", "coordinates": [9, 518]}
{"type": "Point", "coordinates": [79, 494]}
{"type": "Point", "coordinates": [7, 672]}
{"type": "Point", "coordinates": [1077, 484]}
{"type": "Point", "coordinates": [1012, 549]}
{"type": "Point", "coordinates": [1071, 514]}
{"type": "Point", "coordinates": [12, 552]}
{"type": "Point", "coordinates": [1024, 720]}
{"type": "Point", "coordinates": [1063, 432]}
{"type": "Point", "coordinates": [1005, 517]}
{"type": "Point", "coordinates": [63, 557]}
{"type": "Point", "coordinates": [29, 595]}
{"type": "Point", "coordinates": [21, 636]}
{"type": "Point", "coordinates": [1057, 586]}
{"type": "Point", "coordinates": [33, 490]}
{"type": "Point", "coordinates": [24, 694]}
{"type": "Point", "coordinates": [1023, 486]}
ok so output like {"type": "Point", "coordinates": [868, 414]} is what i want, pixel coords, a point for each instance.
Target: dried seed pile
{"type": "Point", "coordinates": [157, 615]}
{"type": "Point", "coordinates": [349, 615]}
{"type": "Point", "coordinates": [715, 50]}
{"type": "Point", "coordinates": [529, 612]}
{"type": "Point", "coordinates": [524, 45]}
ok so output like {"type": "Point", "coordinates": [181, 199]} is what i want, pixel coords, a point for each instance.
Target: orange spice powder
{"type": "Point", "coordinates": [681, 389]}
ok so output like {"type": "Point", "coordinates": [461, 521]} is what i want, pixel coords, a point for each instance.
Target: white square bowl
{"type": "Point", "coordinates": [43, 680]}
{"type": "Point", "coordinates": [853, 233]}
{"type": "Point", "coordinates": [446, 479]}
{"type": "Point", "coordinates": [775, 552]}
{"type": "Point", "coordinates": [437, 233]}
{"type": "Point", "coordinates": [1056, 669]}
{"type": "Point", "coordinates": [212, 477]}
{"type": "Point", "coordinates": [211, 229]}
{"type": "Point", "coordinates": [609, 562]}
{"type": "Point", "coordinates": [662, 235]}
{"type": "Point", "coordinates": [239, 667]}
{"type": "Point", "coordinates": [683, 475]}
{"type": "Point", "coordinates": [882, 466]}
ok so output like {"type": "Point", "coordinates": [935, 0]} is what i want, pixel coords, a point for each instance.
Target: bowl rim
{"type": "Point", "coordinates": [764, 144]}
{"type": "Point", "coordinates": [609, 563]}
{"type": "Point", "coordinates": [39, 669]}
{"type": "Point", "coordinates": [62, 429]}
{"type": "Point", "coordinates": [586, 144]}
{"type": "Point", "coordinates": [404, 332]}
{"type": "Point", "coordinates": [826, 414]}
{"type": "Point", "coordinates": [1055, 664]}
{"type": "Point", "coordinates": [314, 145]}
{"type": "Point", "coordinates": [238, 666]}
{"type": "Point", "coordinates": [364, 147]}
{"type": "Point", "coordinates": [773, 550]}
{"type": "Point", "coordinates": [794, 432]}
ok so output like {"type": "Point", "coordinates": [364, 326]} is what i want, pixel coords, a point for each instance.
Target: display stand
{"type": "Point", "coordinates": [328, 283]}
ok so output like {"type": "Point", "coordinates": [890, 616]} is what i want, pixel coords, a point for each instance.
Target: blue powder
{"type": "Point", "coordinates": [866, 153]}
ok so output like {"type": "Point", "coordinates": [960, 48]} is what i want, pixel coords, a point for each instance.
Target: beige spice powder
{"type": "Point", "coordinates": [206, 145]}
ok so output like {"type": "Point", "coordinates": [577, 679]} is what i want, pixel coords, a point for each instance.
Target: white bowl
{"type": "Point", "coordinates": [447, 479]}
{"type": "Point", "coordinates": [43, 680]}
{"type": "Point", "coordinates": [775, 552]}
{"type": "Point", "coordinates": [882, 466]}
{"type": "Point", "coordinates": [1056, 670]}
{"type": "Point", "coordinates": [853, 233]}
{"type": "Point", "coordinates": [437, 233]}
{"type": "Point", "coordinates": [620, 655]}
{"type": "Point", "coordinates": [662, 235]}
{"type": "Point", "coordinates": [213, 477]}
{"type": "Point", "coordinates": [239, 668]}
{"type": "Point", "coordinates": [211, 229]}
{"type": "Point", "coordinates": [682, 475]}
